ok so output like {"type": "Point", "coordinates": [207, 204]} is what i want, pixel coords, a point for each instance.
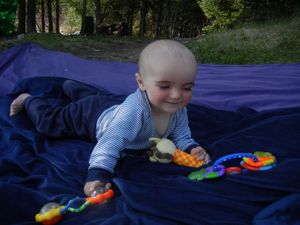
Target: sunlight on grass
{"type": "Point", "coordinates": [272, 42]}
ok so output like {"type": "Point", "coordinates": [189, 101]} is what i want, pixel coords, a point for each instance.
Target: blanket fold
{"type": "Point", "coordinates": [35, 169]}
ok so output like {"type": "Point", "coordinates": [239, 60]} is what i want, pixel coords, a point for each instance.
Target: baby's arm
{"type": "Point", "coordinates": [183, 139]}
{"type": "Point", "coordinates": [120, 132]}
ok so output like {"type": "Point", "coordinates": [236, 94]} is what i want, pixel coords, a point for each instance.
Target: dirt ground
{"type": "Point", "coordinates": [115, 51]}
{"type": "Point", "coordinates": [126, 51]}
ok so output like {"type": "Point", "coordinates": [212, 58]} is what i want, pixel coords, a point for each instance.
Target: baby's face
{"type": "Point", "coordinates": [169, 88]}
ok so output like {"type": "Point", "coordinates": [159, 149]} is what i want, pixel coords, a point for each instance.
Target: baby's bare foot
{"type": "Point", "coordinates": [17, 105]}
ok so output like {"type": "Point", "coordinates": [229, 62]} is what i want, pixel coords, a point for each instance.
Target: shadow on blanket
{"type": "Point", "coordinates": [35, 170]}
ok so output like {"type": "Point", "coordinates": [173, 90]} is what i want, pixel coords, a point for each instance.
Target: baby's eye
{"type": "Point", "coordinates": [164, 87]}
{"type": "Point", "coordinates": [188, 88]}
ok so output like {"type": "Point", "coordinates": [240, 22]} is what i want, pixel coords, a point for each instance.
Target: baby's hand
{"type": "Point", "coordinates": [91, 186]}
{"type": "Point", "coordinates": [201, 154]}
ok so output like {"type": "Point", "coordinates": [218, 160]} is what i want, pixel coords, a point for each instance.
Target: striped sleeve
{"type": "Point", "coordinates": [120, 132]}
{"type": "Point", "coordinates": [181, 135]}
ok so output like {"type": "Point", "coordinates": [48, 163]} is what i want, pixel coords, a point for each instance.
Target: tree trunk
{"type": "Point", "coordinates": [31, 16]}
{"type": "Point", "coordinates": [21, 16]}
{"type": "Point", "coordinates": [159, 18]}
{"type": "Point", "coordinates": [50, 21]}
{"type": "Point", "coordinates": [57, 9]}
{"type": "Point", "coordinates": [43, 15]}
{"type": "Point", "coordinates": [83, 17]}
{"type": "Point", "coordinates": [130, 16]}
{"type": "Point", "coordinates": [144, 11]}
{"type": "Point", "coordinates": [167, 19]}
{"type": "Point", "coordinates": [97, 16]}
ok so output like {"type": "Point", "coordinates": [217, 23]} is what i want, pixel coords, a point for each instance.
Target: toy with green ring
{"type": "Point", "coordinates": [255, 162]}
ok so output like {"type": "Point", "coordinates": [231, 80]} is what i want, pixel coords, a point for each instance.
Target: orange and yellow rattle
{"type": "Point", "coordinates": [52, 212]}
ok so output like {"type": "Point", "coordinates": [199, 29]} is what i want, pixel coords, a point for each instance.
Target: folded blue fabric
{"type": "Point", "coordinates": [35, 170]}
{"type": "Point", "coordinates": [225, 87]}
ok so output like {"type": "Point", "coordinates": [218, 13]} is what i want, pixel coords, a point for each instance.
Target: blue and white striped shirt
{"type": "Point", "coordinates": [129, 126]}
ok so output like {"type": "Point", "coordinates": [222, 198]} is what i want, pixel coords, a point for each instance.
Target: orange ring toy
{"type": "Point", "coordinates": [262, 161]}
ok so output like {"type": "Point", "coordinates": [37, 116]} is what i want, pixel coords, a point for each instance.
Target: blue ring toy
{"type": "Point", "coordinates": [218, 170]}
{"type": "Point", "coordinates": [233, 156]}
{"type": "Point", "coordinates": [212, 172]}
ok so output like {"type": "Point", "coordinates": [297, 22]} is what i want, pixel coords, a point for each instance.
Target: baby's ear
{"type": "Point", "coordinates": [140, 81]}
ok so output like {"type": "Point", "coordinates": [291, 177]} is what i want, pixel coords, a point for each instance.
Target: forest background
{"type": "Point", "coordinates": [198, 23]}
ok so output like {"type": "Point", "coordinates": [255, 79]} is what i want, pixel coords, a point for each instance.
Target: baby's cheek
{"type": "Point", "coordinates": [187, 99]}
{"type": "Point", "coordinates": [160, 96]}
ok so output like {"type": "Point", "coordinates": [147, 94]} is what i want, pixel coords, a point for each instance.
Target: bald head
{"type": "Point", "coordinates": [161, 53]}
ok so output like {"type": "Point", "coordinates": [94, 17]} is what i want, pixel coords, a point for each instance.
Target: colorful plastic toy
{"type": "Point", "coordinates": [164, 150]}
{"type": "Point", "coordinates": [184, 159]}
{"type": "Point", "coordinates": [255, 162]}
{"type": "Point", "coordinates": [52, 212]}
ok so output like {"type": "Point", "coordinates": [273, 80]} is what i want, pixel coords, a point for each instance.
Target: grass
{"type": "Point", "coordinates": [60, 42]}
{"type": "Point", "coordinates": [255, 43]}
{"type": "Point", "coordinates": [270, 42]}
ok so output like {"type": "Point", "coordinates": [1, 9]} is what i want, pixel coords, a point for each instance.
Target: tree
{"type": "Point", "coordinates": [7, 16]}
{"type": "Point", "coordinates": [97, 15]}
{"type": "Point", "coordinates": [57, 10]}
{"type": "Point", "coordinates": [221, 13]}
{"type": "Point", "coordinates": [83, 17]}
{"type": "Point", "coordinates": [50, 21]}
{"type": "Point", "coordinates": [143, 16]}
{"type": "Point", "coordinates": [21, 17]}
{"type": "Point", "coordinates": [159, 17]}
{"type": "Point", "coordinates": [43, 15]}
{"type": "Point", "coordinates": [268, 9]}
{"type": "Point", "coordinates": [130, 16]}
{"type": "Point", "coordinates": [31, 16]}
{"type": "Point", "coordinates": [167, 18]}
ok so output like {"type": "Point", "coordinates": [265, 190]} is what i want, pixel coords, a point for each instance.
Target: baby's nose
{"type": "Point", "coordinates": [175, 94]}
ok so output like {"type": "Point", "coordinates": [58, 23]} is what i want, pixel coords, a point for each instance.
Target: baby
{"type": "Point", "coordinates": [166, 77]}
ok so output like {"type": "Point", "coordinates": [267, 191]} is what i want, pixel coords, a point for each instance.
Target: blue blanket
{"type": "Point", "coordinates": [245, 109]}
{"type": "Point", "coordinates": [35, 170]}
{"type": "Point", "coordinates": [228, 87]}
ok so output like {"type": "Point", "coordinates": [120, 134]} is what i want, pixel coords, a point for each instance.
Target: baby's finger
{"type": "Point", "coordinates": [201, 155]}
{"type": "Point", "coordinates": [91, 186]}
{"type": "Point", "coordinates": [206, 159]}
{"type": "Point", "coordinates": [108, 186]}
{"type": "Point", "coordinates": [100, 189]}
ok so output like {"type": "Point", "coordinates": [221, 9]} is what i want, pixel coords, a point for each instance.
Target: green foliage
{"type": "Point", "coordinates": [221, 13]}
{"type": "Point", "coordinates": [7, 16]}
{"type": "Point", "coordinates": [260, 10]}
{"type": "Point", "coordinates": [72, 21]}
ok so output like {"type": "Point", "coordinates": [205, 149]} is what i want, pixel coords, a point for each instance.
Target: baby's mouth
{"type": "Point", "coordinates": [174, 103]}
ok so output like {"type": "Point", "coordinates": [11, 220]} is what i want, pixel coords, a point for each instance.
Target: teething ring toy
{"type": "Point", "coordinates": [207, 173]}
{"type": "Point", "coordinates": [254, 168]}
{"type": "Point", "coordinates": [256, 162]}
{"type": "Point", "coordinates": [212, 172]}
{"type": "Point", "coordinates": [261, 161]}
{"type": "Point", "coordinates": [234, 156]}
{"type": "Point", "coordinates": [233, 170]}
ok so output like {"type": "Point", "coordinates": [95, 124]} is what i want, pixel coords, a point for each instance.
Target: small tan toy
{"type": "Point", "coordinates": [164, 150]}
{"type": "Point", "coordinates": [161, 150]}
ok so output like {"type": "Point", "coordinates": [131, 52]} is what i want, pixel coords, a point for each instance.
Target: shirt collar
{"type": "Point", "coordinates": [143, 97]}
